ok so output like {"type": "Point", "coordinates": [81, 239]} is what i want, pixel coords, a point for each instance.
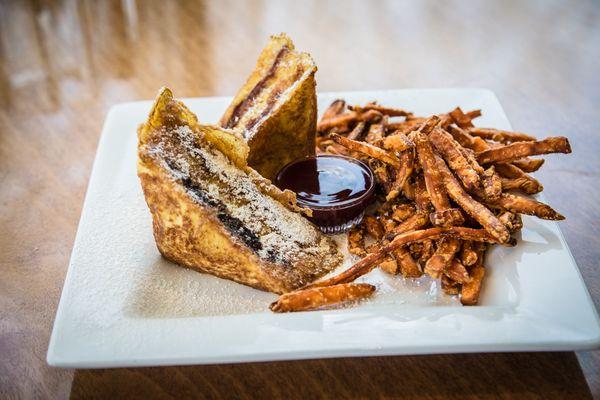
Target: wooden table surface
{"type": "Point", "coordinates": [63, 64]}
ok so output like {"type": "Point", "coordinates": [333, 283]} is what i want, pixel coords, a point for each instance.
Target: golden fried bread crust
{"type": "Point", "coordinates": [276, 109]}
{"type": "Point", "coordinates": [212, 213]}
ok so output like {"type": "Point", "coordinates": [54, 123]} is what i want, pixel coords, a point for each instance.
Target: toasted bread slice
{"type": "Point", "coordinates": [276, 109]}
{"type": "Point", "coordinates": [213, 213]}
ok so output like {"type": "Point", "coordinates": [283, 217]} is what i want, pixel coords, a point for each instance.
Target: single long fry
{"type": "Point", "coordinates": [446, 249]}
{"type": "Point", "coordinates": [367, 149]}
{"type": "Point", "coordinates": [515, 151]}
{"type": "Point", "coordinates": [444, 215]}
{"type": "Point", "coordinates": [338, 120]}
{"type": "Point", "coordinates": [311, 299]}
{"type": "Point", "coordinates": [529, 164]}
{"type": "Point", "coordinates": [392, 112]}
{"type": "Point", "coordinates": [450, 151]}
{"type": "Point", "coordinates": [472, 207]}
{"type": "Point", "coordinates": [519, 179]}
{"type": "Point", "coordinates": [369, 262]}
{"type": "Point", "coordinates": [407, 159]}
{"type": "Point", "coordinates": [498, 135]}
{"type": "Point", "coordinates": [357, 131]}
{"type": "Point", "coordinates": [335, 108]}
{"type": "Point", "coordinates": [465, 139]}
{"type": "Point", "coordinates": [525, 205]}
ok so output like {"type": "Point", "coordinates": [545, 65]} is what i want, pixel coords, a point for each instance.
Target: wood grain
{"type": "Point", "coordinates": [63, 64]}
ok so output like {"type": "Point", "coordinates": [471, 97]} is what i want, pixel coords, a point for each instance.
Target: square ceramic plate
{"type": "Point", "coordinates": [123, 305]}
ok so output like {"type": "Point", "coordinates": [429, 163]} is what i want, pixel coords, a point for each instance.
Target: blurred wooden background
{"type": "Point", "coordinates": [64, 63]}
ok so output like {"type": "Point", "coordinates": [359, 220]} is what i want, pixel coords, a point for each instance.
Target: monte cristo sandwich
{"type": "Point", "coordinates": [213, 213]}
{"type": "Point", "coordinates": [276, 109]}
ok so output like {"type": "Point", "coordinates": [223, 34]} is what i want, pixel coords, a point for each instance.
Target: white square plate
{"type": "Point", "coordinates": [123, 305]}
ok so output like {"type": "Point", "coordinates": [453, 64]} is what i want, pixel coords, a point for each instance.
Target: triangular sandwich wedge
{"type": "Point", "coordinates": [213, 213]}
{"type": "Point", "coordinates": [276, 109]}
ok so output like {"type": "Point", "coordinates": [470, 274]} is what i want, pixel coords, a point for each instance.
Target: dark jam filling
{"type": "Point", "coordinates": [336, 188]}
{"type": "Point", "coordinates": [234, 225]}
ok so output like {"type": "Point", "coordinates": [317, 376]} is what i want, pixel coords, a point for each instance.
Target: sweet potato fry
{"type": "Point", "coordinates": [367, 149]}
{"type": "Point", "coordinates": [409, 190]}
{"type": "Point", "coordinates": [524, 205]}
{"type": "Point", "coordinates": [357, 132]}
{"type": "Point", "coordinates": [356, 241]}
{"type": "Point", "coordinates": [402, 212]}
{"type": "Point", "coordinates": [311, 299]}
{"type": "Point", "coordinates": [515, 151]}
{"type": "Point", "coordinates": [337, 120]}
{"type": "Point", "coordinates": [375, 134]}
{"type": "Point", "coordinates": [450, 287]}
{"type": "Point", "coordinates": [390, 265]}
{"type": "Point", "coordinates": [422, 199]}
{"type": "Point", "coordinates": [444, 215]}
{"type": "Point", "coordinates": [389, 111]}
{"type": "Point", "coordinates": [446, 249]}
{"type": "Point", "coordinates": [382, 177]}
{"type": "Point", "coordinates": [404, 127]}
{"type": "Point", "coordinates": [512, 221]}
{"type": "Point", "coordinates": [398, 142]}
{"type": "Point", "coordinates": [407, 159]}
{"type": "Point", "coordinates": [518, 179]}
{"type": "Point", "coordinates": [529, 164]}
{"type": "Point", "coordinates": [498, 135]}
{"type": "Point", "coordinates": [388, 225]}
{"type": "Point", "coordinates": [472, 207]}
{"type": "Point", "coordinates": [470, 291]}
{"type": "Point", "coordinates": [520, 184]}
{"type": "Point", "coordinates": [335, 108]}
{"type": "Point", "coordinates": [373, 227]}
{"type": "Point", "coordinates": [417, 221]}
{"type": "Point", "coordinates": [468, 255]}
{"type": "Point", "coordinates": [473, 114]}
{"type": "Point", "coordinates": [460, 118]}
{"type": "Point", "coordinates": [407, 265]}
{"type": "Point", "coordinates": [465, 139]}
{"type": "Point", "coordinates": [427, 249]}
{"type": "Point", "coordinates": [457, 272]}
{"type": "Point", "coordinates": [491, 183]}
{"type": "Point", "coordinates": [369, 262]}
{"type": "Point", "coordinates": [469, 294]}
{"type": "Point", "coordinates": [449, 149]}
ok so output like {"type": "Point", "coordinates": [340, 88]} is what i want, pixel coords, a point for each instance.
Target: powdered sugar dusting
{"type": "Point", "coordinates": [285, 237]}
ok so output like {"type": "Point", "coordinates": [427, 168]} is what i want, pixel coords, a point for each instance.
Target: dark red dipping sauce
{"type": "Point", "coordinates": [336, 188]}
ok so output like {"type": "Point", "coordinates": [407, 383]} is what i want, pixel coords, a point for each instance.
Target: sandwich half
{"type": "Point", "coordinates": [213, 213]}
{"type": "Point", "coordinates": [276, 109]}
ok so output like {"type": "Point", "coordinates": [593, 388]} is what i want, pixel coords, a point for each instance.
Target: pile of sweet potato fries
{"type": "Point", "coordinates": [446, 191]}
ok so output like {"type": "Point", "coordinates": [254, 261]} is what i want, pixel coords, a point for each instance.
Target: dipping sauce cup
{"type": "Point", "coordinates": [336, 188]}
